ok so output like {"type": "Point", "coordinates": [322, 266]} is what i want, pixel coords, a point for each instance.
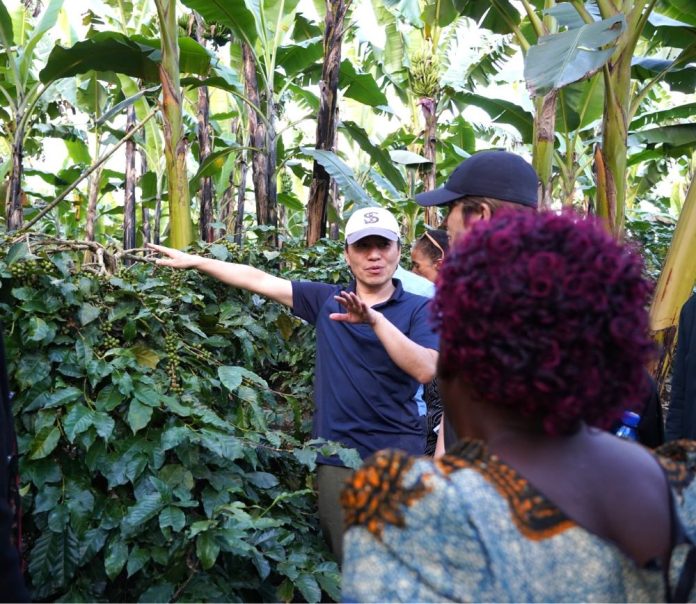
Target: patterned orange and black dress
{"type": "Point", "coordinates": [468, 527]}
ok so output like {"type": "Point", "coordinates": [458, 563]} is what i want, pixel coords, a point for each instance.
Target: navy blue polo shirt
{"type": "Point", "coordinates": [362, 398]}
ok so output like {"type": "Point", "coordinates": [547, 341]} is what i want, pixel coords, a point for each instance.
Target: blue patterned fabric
{"type": "Point", "coordinates": [469, 528]}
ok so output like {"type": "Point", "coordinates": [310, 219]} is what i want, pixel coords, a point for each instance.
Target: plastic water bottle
{"type": "Point", "coordinates": [629, 425]}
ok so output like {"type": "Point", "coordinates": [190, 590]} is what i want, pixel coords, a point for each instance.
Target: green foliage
{"type": "Point", "coordinates": [161, 419]}
{"type": "Point", "coordinates": [652, 232]}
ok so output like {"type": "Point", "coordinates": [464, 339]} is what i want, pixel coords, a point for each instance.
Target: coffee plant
{"type": "Point", "coordinates": [162, 422]}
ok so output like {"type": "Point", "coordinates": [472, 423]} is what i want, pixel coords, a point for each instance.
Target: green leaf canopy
{"type": "Point", "coordinates": [134, 56]}
{"type": "Point", "coordinates": [573, 55]}
{"type": "Point", "coordinates": [343, 176]}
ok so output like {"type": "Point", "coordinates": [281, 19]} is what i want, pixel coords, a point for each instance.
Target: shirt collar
{"type": "Point", "coordinates": [397, 294]}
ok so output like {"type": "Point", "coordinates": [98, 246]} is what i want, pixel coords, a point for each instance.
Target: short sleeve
{"type": "Point", "coordinates": [422, 330]}
{"type": "Point", "coordinates": [308, 297]}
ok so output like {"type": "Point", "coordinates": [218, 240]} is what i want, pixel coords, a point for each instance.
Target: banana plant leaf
{"type": "Point", "coordinates": [408, 158]}
{"type": "Point", "coordinates": [685, 112]}
{"type": "Point", "coordinates": [48, 20]}
{"type": "Point", "coordinates": [377, 154]}
{"type": "Point", "coordinates": [295, 58]}
{"type": "Point", "coordinates": [342, 174]}
{"type": "Point", "coordinates": [408, 10]}
{"type": "Point", "coordinates": [135, 56]}
{"type": "Point", "coordinates": [442, 12]}
{"type": "Point", "coordinates": [361, 87]}
{"type": "Point", "coordinates": [680, 79]}
{"type": "Point", "coordinates": [679, 272]}
{"type": "Point", "coordinates": [674, 33]}
{"type": "Point", "coordinates": [123, 105]}
{"type": "Point", "coordinates": [500, 111]}
{"type": "Point", "coordinates": [580, 104]}
{"type": "Point", "coordinates": [566, 15]}
{"type": "Point", "coordinates": [498, 16]}
{"type": "Point", "coordinates": [681, 10]}
{"type": "Point", "coordinates": [680, 135]}
{"type": "Point", "coordinates": [304, 29]}
{"type": "Point", "coordinates": [214, 163]}
{"type": "Point", "coordinates": [463, 75]}
{"type": "Point", "coordinates": [393, 60]}
{"type": "Point", "coordinates": [6, 31]}
{"type": "Point", "coordinates": [105, 51]}
{"type": "Point", "coordinates": [573, 55]}
{"type": "Point", "coordinates": [304, 97]}
{"type": "Point", "coordinates": [238, 15]}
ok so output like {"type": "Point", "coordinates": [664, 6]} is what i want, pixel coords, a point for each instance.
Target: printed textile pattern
{"type": "Point", "coordinates": [678, 458]}
{"type": "Point", "coordinates": [368, 500]}
{"type": "Point", "coordinates": [467, 527]}
{"type": "Point", "coordinates": [535, 516]}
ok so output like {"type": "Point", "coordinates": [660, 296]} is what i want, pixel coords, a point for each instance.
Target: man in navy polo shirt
{"type": "Point", "coordinates": [375, 347]}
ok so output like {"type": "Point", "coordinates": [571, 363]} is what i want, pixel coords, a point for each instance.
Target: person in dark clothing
{"type": "Point", "coordinates": [12, 588]}
{"type": "Point", "coordinates": [681, 416]}
{"type": "Point", "coordinates": [375, 347]}
{"type": "Point", "coordinates": [651, 428]}
{"type": "Point", "coordinates": [482, 185]}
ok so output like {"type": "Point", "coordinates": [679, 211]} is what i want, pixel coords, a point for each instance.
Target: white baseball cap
{"type": "Point", "coordinates": [371, 221]}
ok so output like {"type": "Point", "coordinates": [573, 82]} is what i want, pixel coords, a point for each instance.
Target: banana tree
{"type": "Point", "coordinates": [175, 148]}
{"type": "Point", "coordinates": [22, 94]}
{"type": "Point", "coordinates": [605, 42]}
{"type": "Point", "coordinates": [327, 117]}
{"type": "Point", "coordinates": [204, 147]}
{"type": "Point", "coordinates": [413, 62]}
{"type": "Point", "coordinates": [258, 32]}
{"type": "Point", "coordinates": [675, 284]}
{"type": "Point", "coordinates": [143, 58]}
{"type": "Point", "coordinates": [135, 20]}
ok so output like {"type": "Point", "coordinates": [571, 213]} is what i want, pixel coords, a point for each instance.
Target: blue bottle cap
{"type": "Point", "coordinates": [631, 419]}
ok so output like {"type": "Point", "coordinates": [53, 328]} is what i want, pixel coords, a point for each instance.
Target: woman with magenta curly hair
{"type": "Point", "coordinates": [543, 342]}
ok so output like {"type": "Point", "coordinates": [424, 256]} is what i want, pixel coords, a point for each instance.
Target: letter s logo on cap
{"type": "Point", "coordinates": [371, 217]}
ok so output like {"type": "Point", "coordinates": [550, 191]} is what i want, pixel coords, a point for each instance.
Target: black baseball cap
{"type": "Point", "coordinates": [497, 174]}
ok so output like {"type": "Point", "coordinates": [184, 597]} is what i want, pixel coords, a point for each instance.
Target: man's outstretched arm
{"type": "Point", "coordinates": [236, 275]}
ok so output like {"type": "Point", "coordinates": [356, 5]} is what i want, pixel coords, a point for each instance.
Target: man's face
{"type": "Point", "coordinates": [457, 227]}
{"type": "Point", "coordinates": [373, 260]}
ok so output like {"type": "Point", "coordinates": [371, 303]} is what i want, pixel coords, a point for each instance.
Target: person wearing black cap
{"type": "Point", "coordinates": [480, 186]}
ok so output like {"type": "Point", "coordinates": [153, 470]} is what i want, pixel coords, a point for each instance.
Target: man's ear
{"type": "Point", "coordinates": [486, 212]}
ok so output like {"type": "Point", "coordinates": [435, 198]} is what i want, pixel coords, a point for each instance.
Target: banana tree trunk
{"type": "Point", "coordinates": [241, 190]}
{"type": "Point", "coordinates": [544, 139]}
{"type": "Point", "coordinates": [326, 119]}
{"type": "Point", "coordinates": [158, 214]}
{"type": "Point", "coordinates": [611, 170]}
{"type": "Point", "coordinates": [204, 149]}
{"type": "Point", "coordinates": [428, 108]}
{"type": "Point", "coordinates": [92, 200]}
{"type": "Point", "coordinates": [144, 211]}
{"type": "Point", "coordinates": [675, 284]}
{"type": "Point", "coordinates": [262, 142]}
{"type": "Point", "coordinates": [336, 201]}
{"type": "Point", "coordinates": [225, 216]}
{"type": "Point", "coordinates": [180, 224]}
{"type": "Point", "coordinates": [129, 188]}
{"type": "Point", "coordinates": [13, 206]}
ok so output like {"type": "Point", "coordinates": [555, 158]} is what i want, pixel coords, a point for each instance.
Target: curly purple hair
{"type": "Point", "coordinates": [545, 313]}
